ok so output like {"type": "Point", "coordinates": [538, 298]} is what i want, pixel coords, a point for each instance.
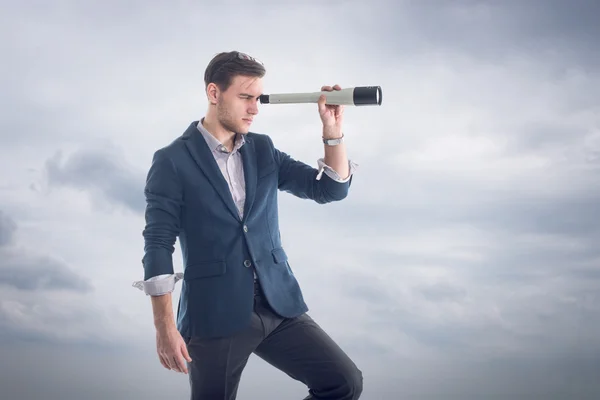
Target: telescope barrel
{"type": "Point", "coordinates": [355, 96]}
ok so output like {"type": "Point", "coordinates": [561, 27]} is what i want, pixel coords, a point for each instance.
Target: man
{"type": "Point", "coordinates": [216, 188]}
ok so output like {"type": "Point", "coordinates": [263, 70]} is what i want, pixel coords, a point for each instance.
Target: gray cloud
{"type": "Point", "coordinates": [442, 292]}
{"type": "Point", "coordinates": [22, 269]}
{"type": "Point", "coordinates": [7, 229]}
{"type": "Point", "coordinates": [36, 317]}
{"type": "Point", "coordinates": [561, 34]}
{"type": "Point", "coordinates": [564, 141]}
{"type": "Point", "coordinates": [33, 273]}
{"type": "Point", "coordinates": [100, 172]}
{"type": "Point", "coordinates": [43, 299]}
{"type": "Point", "coordinates": [470, 272]}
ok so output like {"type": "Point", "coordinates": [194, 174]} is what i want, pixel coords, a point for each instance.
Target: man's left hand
{"type": "Point", "coordinates": [331, 115]}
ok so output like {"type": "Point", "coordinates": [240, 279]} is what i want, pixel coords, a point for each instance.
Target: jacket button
{"type": "Point", "coordinates": [245, 228]}
{"type": "Point", "coordinates": [247, 263]}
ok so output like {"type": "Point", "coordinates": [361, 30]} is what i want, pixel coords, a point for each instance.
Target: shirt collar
{"type": "Point", "coordinates": [215, 144]}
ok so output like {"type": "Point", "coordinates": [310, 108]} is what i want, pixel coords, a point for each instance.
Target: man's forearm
{"type": "Point", "coordinates": [162, 310]}
{"type": "Point", "coordinates": [336, 156]}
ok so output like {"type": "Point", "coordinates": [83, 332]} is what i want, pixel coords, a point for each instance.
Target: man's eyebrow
{"type": "Point", "coordinates": [249, 95]}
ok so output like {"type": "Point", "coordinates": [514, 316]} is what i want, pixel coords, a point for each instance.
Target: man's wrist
{"type": "Point", "coordinates": [332, 133]}
{"type": "Point", "coordinates": [165, 325]}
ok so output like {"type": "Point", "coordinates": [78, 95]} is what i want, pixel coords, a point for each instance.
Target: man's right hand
{"type": "Point", "coordinates": [172, 350]}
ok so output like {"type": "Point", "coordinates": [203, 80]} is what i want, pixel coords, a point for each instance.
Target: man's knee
{"type": "Point", "coordinates": [342, 384]}
{"type": "Point", "coordinates": [355, 382]}
{"type": "Point", "coordinates": [351, 384]}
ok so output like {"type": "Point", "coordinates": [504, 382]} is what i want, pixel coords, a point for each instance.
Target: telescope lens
{"type": "Point", "coordinates": [367, 95]}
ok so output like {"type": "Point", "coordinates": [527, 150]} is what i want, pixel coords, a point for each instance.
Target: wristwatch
{"type": "Point", "coordinates": [334, 142]}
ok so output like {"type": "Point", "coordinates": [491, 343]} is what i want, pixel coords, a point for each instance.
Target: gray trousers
{"type": "Point", "coordinates": [298, 347]}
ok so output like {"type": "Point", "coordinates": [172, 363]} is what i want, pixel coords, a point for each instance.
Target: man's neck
{"type": "Point", "coordinates": [221, 134]}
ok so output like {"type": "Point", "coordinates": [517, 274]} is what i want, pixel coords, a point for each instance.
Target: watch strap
{"type": "Point", "coordinates": [333, 142]}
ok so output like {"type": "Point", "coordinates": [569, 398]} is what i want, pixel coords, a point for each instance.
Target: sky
{"type": "Point", "coordinates": [464, 264]}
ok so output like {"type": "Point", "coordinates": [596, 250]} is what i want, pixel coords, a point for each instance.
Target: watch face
{"type": "Point", "coordinates": [332, 141]}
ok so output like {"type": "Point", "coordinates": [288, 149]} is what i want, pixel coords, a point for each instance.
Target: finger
{"type": "Point", "coordinates": [180, 364]}
{"type": "Point", "coordinates": [326, 88]}
{"type": "Point", "coordinates": [185, 353]}
{"type": "Point", "coordinates": [163, 362]}
{"type": "Point", "coordinates": [337, 87]}
{"type": "Point", "coordinates": [168, 361]}
{"type": "Point", "coordinates": [173, 364]}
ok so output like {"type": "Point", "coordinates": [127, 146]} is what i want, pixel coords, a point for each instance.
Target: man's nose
{"type": "Point", "coordinates": [253, 109]}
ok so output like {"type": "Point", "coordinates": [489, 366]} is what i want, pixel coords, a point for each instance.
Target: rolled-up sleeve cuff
{"type": "Point", "coordinates": [159, 285]}
{"type": "Point", "coordinates": [333, 173]}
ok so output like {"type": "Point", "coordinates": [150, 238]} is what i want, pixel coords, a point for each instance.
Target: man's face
{"type": "Point", "coordinates": [237, 106]}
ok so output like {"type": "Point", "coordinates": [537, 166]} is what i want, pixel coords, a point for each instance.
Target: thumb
{"type": "Point", "coordinates": [321, 102]}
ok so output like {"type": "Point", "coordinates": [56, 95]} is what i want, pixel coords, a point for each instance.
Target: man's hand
{"type": "Point", "coordinates": [172, 350]}
{"type": "Point", "coordinates": [331, 115]}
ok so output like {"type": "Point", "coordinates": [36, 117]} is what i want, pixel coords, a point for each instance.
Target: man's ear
{"type": "Point", "coordinates": [212, 93]}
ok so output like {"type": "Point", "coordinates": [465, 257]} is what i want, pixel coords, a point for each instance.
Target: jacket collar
{"type": "Point", "coordinates": [200, 148]}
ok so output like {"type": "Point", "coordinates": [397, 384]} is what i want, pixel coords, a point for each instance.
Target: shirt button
{"type": "Point", "coordinates": [247, 263]}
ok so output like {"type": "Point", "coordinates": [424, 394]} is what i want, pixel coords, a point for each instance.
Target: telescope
{"type": "Point", "coordinates": [354, 96]}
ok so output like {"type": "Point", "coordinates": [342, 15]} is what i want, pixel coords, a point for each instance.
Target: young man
{"type": "Point", "coordinates": [216, 188]}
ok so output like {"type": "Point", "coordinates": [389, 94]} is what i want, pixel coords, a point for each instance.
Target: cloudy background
{"type": "Point", "coordinates": [464, 264]}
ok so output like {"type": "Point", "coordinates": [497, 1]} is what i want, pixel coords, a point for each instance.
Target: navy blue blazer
{"type": "Point", "coordinates": [188, 197]}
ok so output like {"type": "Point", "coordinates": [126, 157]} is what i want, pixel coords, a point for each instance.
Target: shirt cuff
{"type": "Point", "coordinates": [333, 173]}
{"type": "Point", "coordinates": [159, 285]}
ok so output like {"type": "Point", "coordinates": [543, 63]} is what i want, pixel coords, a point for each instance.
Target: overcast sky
{"type": "Point", "coordinates": [463, 265]}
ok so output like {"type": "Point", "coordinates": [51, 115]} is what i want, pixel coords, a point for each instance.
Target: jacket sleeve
{"type": "Point", "coordinates": [307, 182]}
{"type": "Point", "coordinates": [164, 198]}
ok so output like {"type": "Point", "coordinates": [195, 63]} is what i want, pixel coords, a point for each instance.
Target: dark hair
{"type": "Point", "coordinates": [226, 65]}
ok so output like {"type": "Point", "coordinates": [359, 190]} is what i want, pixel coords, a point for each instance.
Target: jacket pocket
{"type": "Point", "coordinates": [204, 270]}
{"type": "Point", "coordinates": [279, 255]}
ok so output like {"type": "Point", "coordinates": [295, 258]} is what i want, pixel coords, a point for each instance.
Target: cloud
{"type": "Point", "coordinates": [7, 229]}
{"type": "Point", "coordinates": [549, 32]}
{"type": "Point", "coordinates": [102, 173]}
{"type": "Point", "coordinates": [29, 273]}
{"type": "Point", "coordinates": [46, 300]}
{"type": "Point", "coordinates": [21, 269]}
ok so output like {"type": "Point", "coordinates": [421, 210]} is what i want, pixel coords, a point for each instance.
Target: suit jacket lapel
{"type": "Point", "coordinates": [248, 152]}
{"type": "Point", "coordinates": [201, 153]}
